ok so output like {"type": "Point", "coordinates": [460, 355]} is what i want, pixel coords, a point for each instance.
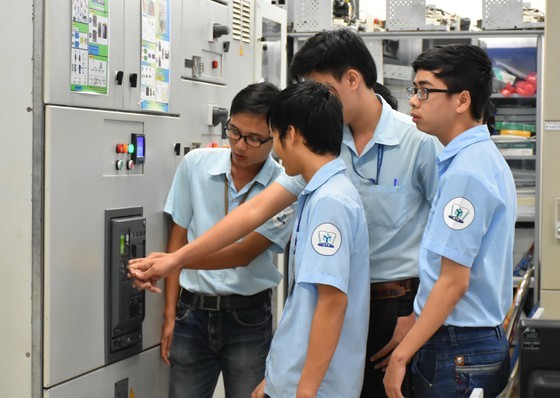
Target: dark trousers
{"type": "Point", "coordinates": [382, 320]}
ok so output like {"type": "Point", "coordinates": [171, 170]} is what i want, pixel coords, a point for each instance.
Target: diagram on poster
{"type": "Point", "coordinates": [154, 78]}
{"type": "Point", "coordinates": [90, 46]}
{"type": "Point", "coordinates": [78, 67]}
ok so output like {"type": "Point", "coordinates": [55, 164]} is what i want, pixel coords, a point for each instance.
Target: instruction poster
{"type": "Point", "coordinates": [154, 78]}
{"type": "Point", "coordinates": [90, 46]}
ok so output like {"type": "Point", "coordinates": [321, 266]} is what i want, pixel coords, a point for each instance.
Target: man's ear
{"type": "Point", "coordinates": [353, 77]}
{"type": "Point", "coordinates": [464, 101]}
{"type": "Point", "coordinates": [293, 136]}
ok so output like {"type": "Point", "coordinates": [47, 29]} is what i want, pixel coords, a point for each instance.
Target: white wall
{"type": "Point", "coordinates": [15, 200]}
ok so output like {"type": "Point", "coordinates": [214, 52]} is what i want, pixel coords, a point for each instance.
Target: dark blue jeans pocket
{"type": "Point", "coordinates": [183, 311]}
{"type": "Point", "coordinates": [489, 371]}
{"type": "Point", "coordinates": [253, 317]}
{"type": "Point", "coordinates": [424, 366]}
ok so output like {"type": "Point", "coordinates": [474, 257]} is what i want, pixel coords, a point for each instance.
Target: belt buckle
{"type": "Point", "coordinates": [216, 308]}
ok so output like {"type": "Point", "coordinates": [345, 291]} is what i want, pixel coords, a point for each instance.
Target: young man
{"type": "Point", "coordinates": [221, 321]}
{"type": "Point", "coordinates": [319, 347]}
{"type": "Point", "coordinates": [392, 165]}
{"type": "Point", "coordinates": [388, 160]}
{"type": "Point", "coordinates": [466, 253]}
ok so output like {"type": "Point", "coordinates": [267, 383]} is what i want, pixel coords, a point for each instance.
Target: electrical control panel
{"type": "Point", "coordinates": [125, 306]}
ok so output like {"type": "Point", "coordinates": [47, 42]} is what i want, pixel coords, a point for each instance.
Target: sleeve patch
{"type": "Point", "coordinates": [326, 239]}
{"type": "Point", "coordinates": [458, 213]}
{"type": "Point", "coordinates": [281, 219]}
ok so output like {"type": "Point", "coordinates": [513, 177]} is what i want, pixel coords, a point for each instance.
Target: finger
{"type": "Point", "coordinates": [164, 353]}
{"type": "Point", "coordinates": [146, 285]}
{"type": "Point", "coordinates": [389, 347]}
{"type": "Point", "coordinates": [154, 289]}
{"type": "Point", "coordinates": [383, 364]}
{"type": "Point", "coordinates": [166, 358]}
{"type": "Point", "coordinates": [141, 285]}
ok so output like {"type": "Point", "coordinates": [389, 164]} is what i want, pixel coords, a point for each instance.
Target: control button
{"type": "Point", "coordinates": [130, 164]}
{"type": "Point", "coordinates": [214, 64]}
{"type": "Point", "coordinates": [120, 148]}
{"type": "Point", "coordinates": [119, 164]}
{"type": "Point", "coordinates": [130, 148]}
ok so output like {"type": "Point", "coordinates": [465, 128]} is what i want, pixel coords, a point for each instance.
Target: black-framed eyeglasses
{"type": "Point", "coordinates": [251, 140]}
{"type": "Point", "coordinates": [423, 93]}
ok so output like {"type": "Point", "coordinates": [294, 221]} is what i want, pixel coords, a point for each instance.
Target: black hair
{"type": "Point", "coordinates": [461, 67]}
{"type": "Point", "coordinates": [387, 95]}
{"type": "Point", "coordinates": [315, 111]}
{"type": "Point", "coordinates": [334, 51]}
{"type": "Point", "coordinates": [254, 99]}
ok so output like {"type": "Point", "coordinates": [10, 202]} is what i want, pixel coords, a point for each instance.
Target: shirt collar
{"type": "Point", "coordinates": [223, 166]}
{"type": "Point", "coordinates": [463, 140]}
{"type": "Point", "coordinates": [324, 174]}
{"type": "Point", "coordinates": [384, 133]}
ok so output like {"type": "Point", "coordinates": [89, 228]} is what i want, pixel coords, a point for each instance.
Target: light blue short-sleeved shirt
{"type": "Point", "coordinates": [196, 203]}
{"type": "Point", "coordinates": [397, 207]}
{"type": "Point", "coordinates": [472, 222]}
{"type": "Point", "coordinates": [330, 239]}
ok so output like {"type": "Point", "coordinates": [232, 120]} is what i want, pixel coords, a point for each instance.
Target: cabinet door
{"type": "Point", "coordinates": [152, 61]}
{"type": "Point", "coordinates": [66, 60]}
{"type": "Point", "coordinates": [270, 44]}
{"type": "Point", "coordinates": [207, 38]}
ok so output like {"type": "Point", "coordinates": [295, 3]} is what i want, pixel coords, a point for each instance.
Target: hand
{"type": "Point", "coordinates": [394, 376]}
{"type": "Point", "coordinates": [404, 324]}
{"type": "Point", "coordinates": [166, 338]}
{"type": "Point", "coordinates": [147, 271]}
{"type": "Point", "coordinates": [258, 392]}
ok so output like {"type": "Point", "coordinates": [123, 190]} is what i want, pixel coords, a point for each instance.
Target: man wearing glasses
{"type": "Point", "coordinates": [458, 342]}
{"type": "Point", "coordinates": [219, 320]}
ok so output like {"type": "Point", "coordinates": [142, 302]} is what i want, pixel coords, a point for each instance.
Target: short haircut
{"type": "Point", "coordinates": [254, 99]}
{"type": "Point", "coordinates": [461, 67]}
{"type": "Point", "coordinates": [315, 111]}
{"type": "Point", "coordinates": [334, 51]}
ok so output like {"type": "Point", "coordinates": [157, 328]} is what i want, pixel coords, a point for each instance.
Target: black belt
{"type": "Point", "coordinates": [219, 303]}
{"type": "Point", "coordinates": [393, 289]}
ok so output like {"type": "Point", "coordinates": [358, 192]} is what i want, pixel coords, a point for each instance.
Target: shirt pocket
{"type": "Point", "coordinates": [388, 206]}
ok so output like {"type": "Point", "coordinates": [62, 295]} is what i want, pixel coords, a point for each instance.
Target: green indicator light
{"type": "Point", "coordinates": [122, 245]}
{"type": "Point", "coordinates": [130, 148]}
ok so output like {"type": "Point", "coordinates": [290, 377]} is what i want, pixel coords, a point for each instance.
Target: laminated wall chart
{"type": "Point", "coordinates": [90, 46]}
{"type": "Point", "coordinates": [154, 79]}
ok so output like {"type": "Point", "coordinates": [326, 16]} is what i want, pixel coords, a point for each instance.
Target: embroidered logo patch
{"type": "Point", "coordinates": [458, 213]}
{"type": "Point", "coordinates": [280, 219]}
{"type": "Point", "coordinates": [326, 239]}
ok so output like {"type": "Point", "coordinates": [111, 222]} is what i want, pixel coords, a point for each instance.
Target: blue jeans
{"type": "Point", "coordinates": [457, 360]}
{"type": "Point", "coordinates": [205, 343]}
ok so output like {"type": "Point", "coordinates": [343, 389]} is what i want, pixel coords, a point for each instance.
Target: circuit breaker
{"type": "Point", "coordinates": [125, 306]}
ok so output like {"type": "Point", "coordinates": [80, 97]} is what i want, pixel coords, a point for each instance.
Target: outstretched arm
{"type": "Point", "coordinates": [244, 219]}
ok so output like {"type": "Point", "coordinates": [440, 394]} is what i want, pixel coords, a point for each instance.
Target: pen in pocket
{"type": "Point", "coordinates": [395, 182]}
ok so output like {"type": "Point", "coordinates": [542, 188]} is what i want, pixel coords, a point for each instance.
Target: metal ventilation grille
{"type": "Point", "coordinates": [242, 21]}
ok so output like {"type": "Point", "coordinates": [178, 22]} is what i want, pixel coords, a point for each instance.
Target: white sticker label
{"type": "Point", "coordinates": [458, 213]}
{"type": "Point", "coordinates": [552, 126]}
